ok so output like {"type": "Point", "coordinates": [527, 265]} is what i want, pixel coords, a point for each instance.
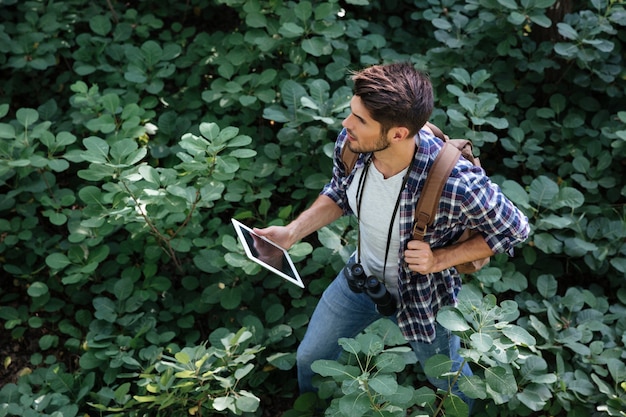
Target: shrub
{"type": "Point", "coordinates": [131, 133]}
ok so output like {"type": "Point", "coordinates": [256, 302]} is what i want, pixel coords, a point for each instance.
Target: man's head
{"type": "Point", "coordinates": [395, 95]}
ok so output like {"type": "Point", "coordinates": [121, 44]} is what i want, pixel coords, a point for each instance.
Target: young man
{"type": "Point", "coordinates": [389, 109]}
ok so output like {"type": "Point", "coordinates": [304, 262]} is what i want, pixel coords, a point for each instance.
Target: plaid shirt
{"type": "Point", "coordinates": [469, 200]}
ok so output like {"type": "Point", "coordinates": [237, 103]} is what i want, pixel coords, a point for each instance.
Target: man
{"type": "Point", "coordinates": [389, 109]}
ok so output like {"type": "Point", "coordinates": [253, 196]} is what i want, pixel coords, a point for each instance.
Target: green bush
{"type": "Point", "coordinates": [131, 133]}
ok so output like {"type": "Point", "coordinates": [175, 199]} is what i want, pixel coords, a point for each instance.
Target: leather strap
{"type": "Point", "coordinates": [433, 187]}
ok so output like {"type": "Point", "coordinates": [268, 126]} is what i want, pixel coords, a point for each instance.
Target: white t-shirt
{"type": "Point", "coordinates": [379, 196]}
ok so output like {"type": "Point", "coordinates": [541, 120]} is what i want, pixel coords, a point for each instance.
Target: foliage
{"type": "Point", "coordinates": [366, 381]}
{"type": "Point", "coordinates": [131, 132]}
{"type": "Point", "coordinates": [192, 380]}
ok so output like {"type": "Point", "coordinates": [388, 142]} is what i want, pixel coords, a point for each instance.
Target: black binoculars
{"type": "Point", "coordinates": [376, 290]}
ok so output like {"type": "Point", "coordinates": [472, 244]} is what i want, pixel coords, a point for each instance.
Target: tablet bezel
{"type": "Point", "coordinates": [241, 229]}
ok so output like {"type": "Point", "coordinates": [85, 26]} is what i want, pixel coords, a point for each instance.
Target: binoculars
{"type": "Point", "coordinates": [359, 282]}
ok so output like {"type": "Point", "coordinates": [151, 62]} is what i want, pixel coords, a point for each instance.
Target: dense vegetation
{"type": "Point", "coordinates": [131, 132]}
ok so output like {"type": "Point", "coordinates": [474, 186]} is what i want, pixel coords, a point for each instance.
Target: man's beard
{"type": "Point", "coordinates": [380, 145]}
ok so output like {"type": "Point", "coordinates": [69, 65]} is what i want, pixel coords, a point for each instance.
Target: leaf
{"type": "Point", "coordinates": [535, 396]}
{"type": "Point", "coordinates": [247, 402]}
{"type": "Point", "coordinates": [48, 341]}
{"type": "Point", "coordinates": [7, 131]}
{"type": "Point", "coordinates": [243, 153]}
{"type": "Point", "coordinates": [389, 362]}
{"type": "Point", "coordinates": [326, 367]}
{"type": "Point", "coordinates": [384, 384]}
{"type": "Point", "coordinates": [371, 344]}
{"type": "Point", "coordinates": [291, 30]}
{"type": "Point", "coordinates": [230, 298]}
{"type": "Point", "coordinates": [519, 335]}
{"type": "Point", "coordinates": [57, 261]}
{"type": "Point", "coordinates": [152, 53]}
{"type": "Point", "coordinates": [452, 319]}
{"type": "Point", "coordinates": [543, 191]}
{"type": "Point", "coordinates": [552, 221]}
{"type": "Point", "coordinates": [105, 124]}
{"type": "Point", "coordinates": [547, 243]}
{"type": "Point", "coordinates": [123, 288]}
{"type": "Point", "coordinates": [501, 380]}
{"type": "Point", "coordinates": [58, 165]}
{"type": "Point", "coordinates": [544, 4]}
{"type": "Point", "coordinates": [461, 76]}
{"type": "Point", "coordinates": [100, 24]}
{"type": "Point", "coordinates": [516, 193]}
{"type": "Point", "coordinates": [104, 309]}
{"type": "Point", "coordinates": [222, 403]}
{"type": "Point", "coordinates": [437, 365]}
{"type": "Point", "coordinates": [243, 371]}
{"type": "Point", "coordinates": [481, 342]}
{"type": "Point", "coordinates": [274, 313]}
{"type": "Point", "coordinates": [97, 150]}
{"type": "Point", "coordinates": [209, 130]}
{"type": "Point", "coordinates": [568, 197]}
{"type": "Point", "coordinates": [111, 103]}
{"type": "Point", "coordinates": [283, 361]}
{"type": "Point", "coordinates": [256, 20]}
{"type": "Point", "coordinates": [619, 264]}
{"type": "Point", "coordinates": [509, 4]}
{"type": "Point", "coordinates": [27, 117]}
{"type": "Point", "coordinates": [317, 46]}
{"type": "Point", "coordinates": [124, 153]}
{"type": "Point", "coordinates": [149, 174]}
{"type": "Point", "coordinates": [473, 386]}
{"type": "Point", "coordinates": [567, 31]}
{"type": "Point", "coordinates": [541, 20]}
{"type": "Point", "coordinates": [547, 285]}
{"type": "Point", "coordinates": [354, 405]}
{"type": "Point", "coordinates": [37, 289]}
{"type": "Point", "coordinates": [578, 247]}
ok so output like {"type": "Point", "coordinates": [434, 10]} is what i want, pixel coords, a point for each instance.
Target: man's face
{"type": "Point", "coordinates": [364, 133]}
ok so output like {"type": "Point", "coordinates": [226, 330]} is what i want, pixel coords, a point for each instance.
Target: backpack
{"type": "Point", "coordinates": [431, 193]}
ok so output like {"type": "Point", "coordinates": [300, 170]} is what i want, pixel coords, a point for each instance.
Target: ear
{"type": "Point", "coordinates": [398, 133]}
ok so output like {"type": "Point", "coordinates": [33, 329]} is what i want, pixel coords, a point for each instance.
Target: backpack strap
{"type": "Point", "coordinates": [433, 187]}
{"type": "Point", "coordinates": [348, 158]}
{"type": "Point", "coordinates": [437, 132]}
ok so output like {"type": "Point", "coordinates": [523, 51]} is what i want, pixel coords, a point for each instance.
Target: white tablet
{"type": "Point", "coordinates": [267, 253]}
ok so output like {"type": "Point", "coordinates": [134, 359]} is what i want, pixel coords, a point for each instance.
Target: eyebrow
{"type": "Point", "coordinates": [361, 119]}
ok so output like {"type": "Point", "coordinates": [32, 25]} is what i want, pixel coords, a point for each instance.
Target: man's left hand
{"type": "Point", "coordinates": [419, 257]}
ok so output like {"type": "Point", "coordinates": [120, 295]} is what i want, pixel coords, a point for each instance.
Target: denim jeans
{"type": "Point", "coordinates": [343, 313]}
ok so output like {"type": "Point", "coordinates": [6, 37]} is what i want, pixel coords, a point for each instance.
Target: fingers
{"type": "Point", "coordinates": [419, 257]}
{"type": "Point", "coordinates": [277, 234]}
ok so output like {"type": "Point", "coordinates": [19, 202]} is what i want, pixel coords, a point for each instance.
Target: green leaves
{"type": "Point", "coordinates": [368, 380]}
{"type": "Point", "coordinates": [96, 205]}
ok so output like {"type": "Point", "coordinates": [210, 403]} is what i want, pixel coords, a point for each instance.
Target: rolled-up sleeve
{"type": "Point", "coordinates": [488, 210]}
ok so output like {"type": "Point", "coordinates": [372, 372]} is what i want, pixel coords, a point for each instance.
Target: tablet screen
{"type": "Point", "coordinates": [267, 254]}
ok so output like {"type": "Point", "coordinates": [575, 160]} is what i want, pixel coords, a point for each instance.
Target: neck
{"type": "Point", "coordinates": [395, 158]}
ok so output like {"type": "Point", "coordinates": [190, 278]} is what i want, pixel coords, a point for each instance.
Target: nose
{"type": "Point", "coordinates": [346, 121]}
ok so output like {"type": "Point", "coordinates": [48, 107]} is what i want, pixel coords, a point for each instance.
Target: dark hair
{"type": "Point", "coordinates": [395, 95]}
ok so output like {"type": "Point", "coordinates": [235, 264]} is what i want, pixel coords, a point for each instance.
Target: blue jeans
{"type": "Point", "coordinates": [343, 313]}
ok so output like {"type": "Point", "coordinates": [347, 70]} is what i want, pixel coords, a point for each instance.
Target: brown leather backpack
{"type": "Point", "coordinates": [438, 174]}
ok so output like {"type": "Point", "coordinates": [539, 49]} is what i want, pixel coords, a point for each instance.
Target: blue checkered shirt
{"type": "Point", "coordinates": [469, 200]}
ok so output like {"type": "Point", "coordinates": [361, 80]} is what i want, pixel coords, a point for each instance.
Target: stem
{"type": "Point", "coordinates": [161, 238]}
{"type": "Point", "coordinates": [454, 381]}
{"type": "Point", "coordinates": [188, 218]}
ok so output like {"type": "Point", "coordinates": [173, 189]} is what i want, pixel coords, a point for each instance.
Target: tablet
{"type": "Point", "coordinates": [267, 253]}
